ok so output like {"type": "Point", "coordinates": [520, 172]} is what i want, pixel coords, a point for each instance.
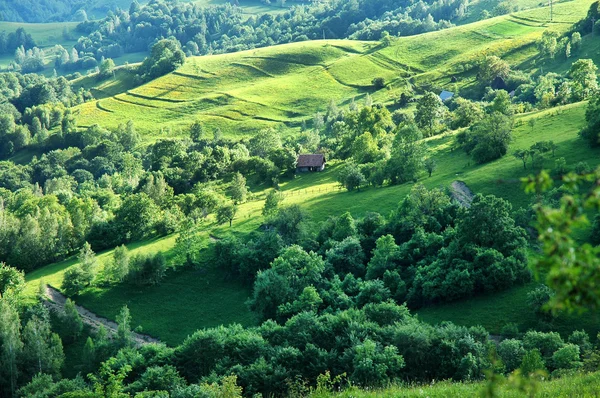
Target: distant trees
{"type": "Point", "coordinates": [166, 56]}
{"type": "Point", "coordinates": [492, 67]}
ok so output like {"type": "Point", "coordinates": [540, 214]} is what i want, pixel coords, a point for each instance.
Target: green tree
{"type": "Point", "coordinates": [72, 319]}
{"type": "Point", "coordinates": [492, 67]}
{"type": "Point", "coordinates": [124, 337]}
{"type": "Point", "coordinates": [430, 110]}
{"type": "Point", "coordinates": [511, 352]}
{"type": "Point", "coordinates": [492, 137]}
{"type": "Point", "coordinates": [272, 202]}
{"type": "Point", "coordinates": [11, 344]}
{"type": "Point", "coordinates": [74, 281]}
{"type": "Point", "coordinates": [430, 165]}
{"type": "Point", "coordinates": [548, 44]}
{"type": "Point", "coordinates": [88, 263]}
{"type": "Point", "coordinates": [197, 132]}
{"type": "Point", "coordinates": [118, 268]}
{"type": "Point", "coordinates": [567, 357]}
{"type": "Point", "coordinates": [237, 188]}
{"type": "Point", "coordinates": [532, 362]}
{"type": "Point", "coordinates": [226, 213]}
{"type": "Point", "coordinates": [165, 57]}
{"type": "Point", "coordinates": [406, 159]}
{"type": "Point", "coordinates": [12, 281]}
{"type": "Point", "coordinates": [591, 132]}
{"type": "Point", "coordinates": [585, 80]}
{"type": "Point", "coordinates": [136, 217]}
{"type": "Point", "coordinates": [385, 257]}
{"type": "Point", "coordinates": [351, 177]}
{"type": "Point", "coordinates": [522, 155]}
{"type": "Point", "coordinates": [89, 354]}
{"type": "Point", "coordinates": [43, 350]}
{"type": "Point", "coordinates": [107, 68]}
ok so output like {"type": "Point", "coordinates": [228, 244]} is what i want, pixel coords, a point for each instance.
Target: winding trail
{"type": "Point", "coordinates": [55, 301]}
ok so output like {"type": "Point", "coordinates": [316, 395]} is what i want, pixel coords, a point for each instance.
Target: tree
{"type": "Point", "coordinates": [567, 357]}
{"type": "Point", "coordinates": [197, 131]}
{"type": "Point", "coordinates": [548, 44]}
{"type": "Point", "coordinates": [532, 362]}
{"type": "Point", "coordinates": [430, 109]}
{"type": "Point", "coordinates": [492, 67]}
{"type": "Point", "coordinates": [492, 137]}
{"type": "Point", "coordinates": [11, 344]}
{"type": "Point", "coordinates": [107, 68]}
{"type": "Point", "coordinates": [226, 213]}
{"type": "Point", "coordinates": [72, 319]}
{"type": "Point", "coordinates": [12, 281]}
{"type": "Point", "coordinates": [576, 41]}
{"type": "Point", "coordinates": [522, 155]}
{"type": "Point", "coordinates": [591, 132]}
{"type": "Point", "coordinates": [43, 351]}
{"type": "Point", "coordinates": [466, 113]}
{"type": "Point", "coordinates": [406, 159]}
{"type": "Point", "coordinates": [124, 335]}
{"type": "Point", "coordinates": [511, 352]}
{"type": "Point", "coordinates": [89, 354]}
{"type": "Point", "coordinates": [88, 263]}
{"type": "Point", "coordinates": [272, 202]}
{"type": "Point", "coordinates": [385, 256]}
{"type": "Point", "coordinates": [136, 217]}
{"type": "Point", "coordinates": [118, 268]}
{"type": "Point", "coordinates": [585, 80]}
{"type": "Point", "coordinates": [430, 165]}
{"type": "Point", "coordinates": [351, 177]}
{"type": "Point", "coordinates": [165, 57]}
{"type": "Point", "coordinates": [74, 281]}
{"type": "Point", "coordinates": [502, 103]}
{"type": "Point", "coordinates": [238, 189]}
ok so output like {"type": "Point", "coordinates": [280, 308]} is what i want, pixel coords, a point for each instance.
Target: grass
{"type": "Point", "coordinates": [577, 385]}
{"type": "Point", "coordinates": [209, 299]}
{"type": "Point", "coordinates": [282, 86]}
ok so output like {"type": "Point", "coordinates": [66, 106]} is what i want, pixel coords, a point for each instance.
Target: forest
{"type": "Point", "coordinates": [334, 279]}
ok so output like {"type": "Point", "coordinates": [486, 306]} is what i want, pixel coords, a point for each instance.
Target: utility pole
{"type": "Point", "coordinates": [551, 10]}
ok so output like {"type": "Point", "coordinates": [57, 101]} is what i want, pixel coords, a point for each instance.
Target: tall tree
{"type": "Point", "coordinates": [430, 109]}
{"type": "Point", "coordinates": [12, 346]}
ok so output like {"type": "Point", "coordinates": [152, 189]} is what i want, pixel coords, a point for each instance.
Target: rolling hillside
{"type": "Point", "coordinates": [244, 92]}
{"type": "Point", "coordinates": [155, 308]}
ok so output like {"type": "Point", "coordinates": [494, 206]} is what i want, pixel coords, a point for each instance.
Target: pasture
{"type": "Point", "coordinates": [210, 299]}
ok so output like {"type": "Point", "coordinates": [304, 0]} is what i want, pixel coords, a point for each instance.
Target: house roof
{"type": "Point", "coordinates": [316, 160]}
{"type": "Point", "coordinates": [445, 95]}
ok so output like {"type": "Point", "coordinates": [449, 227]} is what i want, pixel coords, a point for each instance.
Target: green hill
{"type": "Point", "coordinates": [243, 92]}
{"type": "Point", "coordinates": [155, 308]}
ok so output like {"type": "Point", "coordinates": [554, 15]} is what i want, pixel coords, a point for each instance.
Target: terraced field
{"type": "Point", "coordinates": [244, 92]}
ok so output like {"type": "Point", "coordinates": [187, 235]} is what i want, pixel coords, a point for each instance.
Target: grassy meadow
{"type": "Point", "coordinates": [577, 385]}
{"type": "Point", "coordinates": [211, 299]}
{"type": "Point", "coordinates": [282, 86]}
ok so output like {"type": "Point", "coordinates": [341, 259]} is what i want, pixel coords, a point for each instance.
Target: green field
{"type": "Point", "coordinates": [284, 85]}
{"type": "Point", "coordinates": [212, 300]}
{"type": "Point", "coordinates": [577, 385]}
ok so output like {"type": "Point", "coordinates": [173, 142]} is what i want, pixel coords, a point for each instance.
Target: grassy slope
{"type": "Point", "coordinates": [210, 300]}
{"type": "Point", "coordinates": [580, 385]}
{"type": "Point", "coordinates": [243, 92]}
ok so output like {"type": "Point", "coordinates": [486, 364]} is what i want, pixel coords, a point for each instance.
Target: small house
{"type": "Point", "coordinates": [446, 95]}
{"type": "Point", "coordinates": [312, 162]}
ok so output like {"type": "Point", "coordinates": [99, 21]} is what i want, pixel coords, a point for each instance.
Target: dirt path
{"type": "Point", "coordinates": [55, 301]}
{"type": "Point", "coordinates": [461, 193]}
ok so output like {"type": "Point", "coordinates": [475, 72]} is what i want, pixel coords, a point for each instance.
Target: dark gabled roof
{"type": "Point", "coordinates": [317, 160]}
